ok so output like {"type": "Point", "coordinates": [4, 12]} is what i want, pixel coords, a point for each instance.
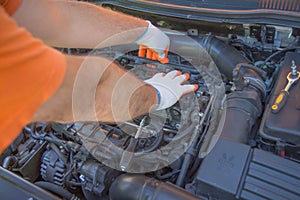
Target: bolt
{"type": "Point", "coordinates": [246, 81]}
{"type": "Point", "coordinates": [294, 68]}
{"type": "Point", "coordinates": [123, 168]}
{"type": "Point", "coordinates": [233, 88]}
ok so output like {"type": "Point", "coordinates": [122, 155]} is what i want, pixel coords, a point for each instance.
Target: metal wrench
{"type": "Point", "coordinates": [281, 99]}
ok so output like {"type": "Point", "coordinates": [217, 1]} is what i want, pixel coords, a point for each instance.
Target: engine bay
{"type": "Point", "coordinates": [224, 141]}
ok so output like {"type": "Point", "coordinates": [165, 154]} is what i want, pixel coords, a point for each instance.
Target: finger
{"type": "Point", "coordinates": [164, 59]}
{"type": "Point", "coordinates": [155, 55]}
{"type": "Point", "coordinates": [142, 51]}
{"type": "Point", "coordinates": [149, 54]}
{"type": "Point", "coordinates": [173, 74]}
{"type": "Point", "coordinates": [187, 76]}
{"type": "Point", "coordinates": [163, 53]}
{"type": "Point", "coordinates": [182, 78]}
{"type": "Point", "coordinates": [189, 88]}
{"type": "Point", "coordinates": [158, 75]}
{"type": "Point", "coordinates": [166, 51]}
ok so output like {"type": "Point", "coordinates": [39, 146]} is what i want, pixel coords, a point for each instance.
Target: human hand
{"type": "Point", "coordinates": [169, 87]}
{"type": "Point", "coordinates": [154, 44]}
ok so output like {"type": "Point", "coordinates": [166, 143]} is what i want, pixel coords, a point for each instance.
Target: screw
{"type": "Point", "coordinates": [294, 68]}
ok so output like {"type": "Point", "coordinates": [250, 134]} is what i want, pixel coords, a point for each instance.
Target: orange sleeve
{"type": "Point", "coordinates": [10, 5]}
{"type": "Point", "coordinates": [30, 72]}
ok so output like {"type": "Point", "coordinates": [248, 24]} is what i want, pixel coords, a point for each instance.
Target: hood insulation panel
{"type": "Point", "coordinates": [287, 5]}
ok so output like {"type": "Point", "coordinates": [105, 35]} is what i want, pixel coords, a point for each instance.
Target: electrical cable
{"type": "Point", "coordinates": [280, 52]}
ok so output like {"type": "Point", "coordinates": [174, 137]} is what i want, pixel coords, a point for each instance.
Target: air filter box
{"type": "Point", "coordinates": [284, 125]}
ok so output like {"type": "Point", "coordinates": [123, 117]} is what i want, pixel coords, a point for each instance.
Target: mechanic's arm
{"type": "Point", "coordinates": [96, 89]}
{"type": "Point", "coordinates": [93, 89]}
{"type": "Point", "coordinates": [77, 24]}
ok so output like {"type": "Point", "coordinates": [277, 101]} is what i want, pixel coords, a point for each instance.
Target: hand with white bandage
{"type": "Point", "coordinates": [170, 88]}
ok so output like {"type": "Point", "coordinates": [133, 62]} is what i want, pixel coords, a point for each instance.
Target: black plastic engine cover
{"type": "Point", "coordinates": [284, 125]}
{"type": "Point", "coordinates": [235, 171]}
{"type": "Point", "coordinates": [221, 171]}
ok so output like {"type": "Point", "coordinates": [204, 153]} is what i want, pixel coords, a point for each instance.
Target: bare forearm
{"type": "Point", "coordinates": [59, 107]}
{"type": "Point", "coordinates": [77, 24]}
{"type": "Point", "coordinates": [96, 89]}
{"type": "Point", "coordinates": [125, 95]}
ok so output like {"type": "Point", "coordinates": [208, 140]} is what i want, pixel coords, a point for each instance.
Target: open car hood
{"type": "Point", "coordinates": [276, 12]}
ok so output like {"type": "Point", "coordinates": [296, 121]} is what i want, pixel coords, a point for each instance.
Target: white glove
{"type": "Point", "coordinates": [169, 87]}
{"type": "Point", "coordinates": [154, 44]}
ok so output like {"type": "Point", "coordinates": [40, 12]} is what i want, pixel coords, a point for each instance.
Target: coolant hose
{"type": "Point", "coordinates": [140, 187]}
{"type": "Point", "coordinates": [65, 194]}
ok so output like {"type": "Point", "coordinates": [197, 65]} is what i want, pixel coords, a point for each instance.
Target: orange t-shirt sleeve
{"type": "Point", "coordinates": [10, 6]}
{"type": "Point", "coordinates": [30, 73]}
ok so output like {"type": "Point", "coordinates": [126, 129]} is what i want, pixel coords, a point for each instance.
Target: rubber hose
{"type": "Point", "coordinates": [55, 189]}
{"type": "Point", "coordinates": [140, 187]}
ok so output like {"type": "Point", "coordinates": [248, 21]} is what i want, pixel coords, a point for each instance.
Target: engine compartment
{"type": "Point", "coordinates": [221, 142]}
